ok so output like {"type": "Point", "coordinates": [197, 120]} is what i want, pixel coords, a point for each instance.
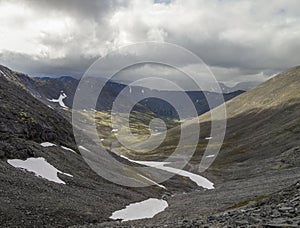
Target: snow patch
{"type": "Point", "coordinates": [210, 156]}
{"type": "Point", "coordinates": [199, 180]}
{"type": "Point", "coordinates": [144, 209]}
{"type": "Point", "coordinates": [60, 100]}
{"type": "Point", "coordinates": [82, 147]}
{"type": "Point", "coordinates": [69, 149]}
{"type": "Point", "coordinates": [49, 106]}
{"type": "Point", "coordinates": [40, 167]}
{"type": "Point", "coordinates": [153, 182]}
{"type": "Point", "coordinates": [4, 75]}
{"type": "Point", "coordinates": [47, 144]}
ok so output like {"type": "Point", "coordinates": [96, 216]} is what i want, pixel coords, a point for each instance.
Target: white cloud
{"type": "Point", "coordinates": [238, 38]}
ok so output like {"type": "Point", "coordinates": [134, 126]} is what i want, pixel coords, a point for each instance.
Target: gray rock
{"type": "Point", "coordinates": [284, 209]}
{"type": "Point", "coordinates": [275, 214]}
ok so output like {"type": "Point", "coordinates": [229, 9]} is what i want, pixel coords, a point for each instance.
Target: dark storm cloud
{"type": "Point", "coordinates": [240, 40]}
{"type": "Point", "coordinates": [94, 9]}
{"type": "Point", "coordinates": [74, 67]}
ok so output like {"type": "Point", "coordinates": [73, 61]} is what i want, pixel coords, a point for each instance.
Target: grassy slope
{"type": "Point", "coordinates": [262, 124]}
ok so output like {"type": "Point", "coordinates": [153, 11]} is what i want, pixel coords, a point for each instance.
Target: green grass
{"type": "Point", "coordinates": [138, 125]}
{"type": "Point", "coordinates": [24, 117]}
{"type": "Point", "coordinates": [247, 201]}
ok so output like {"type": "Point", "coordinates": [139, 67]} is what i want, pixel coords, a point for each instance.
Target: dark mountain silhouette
{"type": "Point", "coordinates": [50, 88]}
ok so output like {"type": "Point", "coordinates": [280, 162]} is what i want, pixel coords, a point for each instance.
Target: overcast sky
{"type": "Point", "coordinates": [240, 40]}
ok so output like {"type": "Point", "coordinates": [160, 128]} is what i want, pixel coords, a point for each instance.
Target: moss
{"type": "Point", "coordinates": [294, 130]}
{"type": "Point", "coordinates": [282, 167]}
{"type": "Point", "coordinates": [24, 117]}
{"type": "Point", "coordinates": [247, 201]}
{"type": "Point", "coordinates": [236, 151]}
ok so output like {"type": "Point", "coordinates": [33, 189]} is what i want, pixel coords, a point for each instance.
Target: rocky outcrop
{"type": "Point", "coordinates": [282, 209]}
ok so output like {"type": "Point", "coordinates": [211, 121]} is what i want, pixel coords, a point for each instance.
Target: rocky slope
{"type": "Point", "coordinates": [30, 201]}
{"type": "Point", "coordinates": [280, 209]}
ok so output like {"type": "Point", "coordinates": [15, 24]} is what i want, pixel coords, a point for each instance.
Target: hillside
{"type": "Point", "coordinates": [256, 121]}
{"type": "Point", "coordinates": [33, 133]}
{"type": "Point", "coordinates": [263, 127]}
{"type": "Point", "coordinates": [260, 155]}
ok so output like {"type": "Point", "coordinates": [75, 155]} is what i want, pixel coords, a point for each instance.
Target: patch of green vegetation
{"type": "Point", "coordinates": [282, 167]}
{"type": "Point", "coordinates": [247, 201]}
{"type": "Point", "coordinates": [294, 130]}
{"type": "Point", "coordinates": [236, 151]}
{"type": "Point", "coordinates": [281, 132]}
{"type": "Point", "coordinates": [138, 125]}
{"type": "Point", "coordinates": [231, 140]}
{"type": "Point", "coordinates": [24, 117]}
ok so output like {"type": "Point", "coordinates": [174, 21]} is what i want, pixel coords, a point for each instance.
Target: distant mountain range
{"type": "Point", "coordinates": [244, 86]}
{"type": "Point", "coordinates": [51, 88]}
{"type": "Point", "coordinates": [47, 89]}
{"type": "Point", "coordinates": [241, 86]}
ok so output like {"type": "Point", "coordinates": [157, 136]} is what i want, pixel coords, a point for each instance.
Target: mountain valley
{"type": "Point", "coordinates": [259, 154]}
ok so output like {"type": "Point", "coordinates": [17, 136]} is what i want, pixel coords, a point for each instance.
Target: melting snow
{"type": "Point", "coordinates": [82, 147]}
{"type": "Point", "coordinates": [66, 148]}
{"type": "Point", "coordinates": [210, 156]}
{"type": "Point", "coordinates": [50, 107]}
{"type": "Point", "coordinates": [159, 185]}
{"type": "Point", "coordinates": [40, 167]}
{"type": "Point", "coordinates": [4, 75]}
{"type": "Point", "coordinates": [47, 144]}
{"type": "Point", "coordinates": [60, 99]}
{"type": "Point", "coordinates": [199, 180]}
{"type": "Point", "coordinates": [145, 209]}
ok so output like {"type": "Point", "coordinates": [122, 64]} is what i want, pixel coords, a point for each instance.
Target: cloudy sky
{"type": "Point", "coordinates": [241, 40]}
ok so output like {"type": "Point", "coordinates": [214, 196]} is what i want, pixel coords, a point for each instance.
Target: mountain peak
{"type": "Point", "coordinates": [62, 78]}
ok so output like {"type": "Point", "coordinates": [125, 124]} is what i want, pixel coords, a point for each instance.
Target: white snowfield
{"type": "Point", "coordinates": [60, 100]}
{"type": "Point", "coordinates": [199, 180]}
{"type": "Point", "coordinates": [47, 144]}
{"type": "Point", "coordinates": [40, 167]}
{"type": "Point", "coordinates": [145, 209]}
